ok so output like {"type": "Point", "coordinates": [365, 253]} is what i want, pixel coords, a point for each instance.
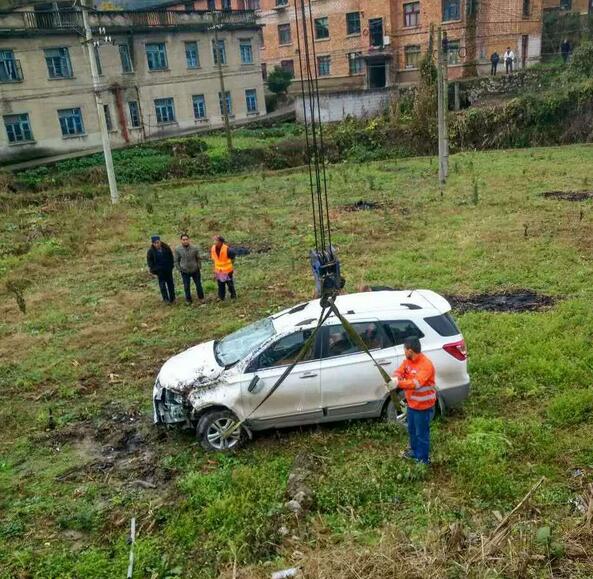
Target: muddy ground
{"type": "Point", "coordinates": [569, 195]}
{"type": "Point", "coordinates": [512, 301]}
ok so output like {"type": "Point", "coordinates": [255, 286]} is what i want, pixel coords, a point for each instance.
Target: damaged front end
{"type": "Point", "coordinates": [170, 407]}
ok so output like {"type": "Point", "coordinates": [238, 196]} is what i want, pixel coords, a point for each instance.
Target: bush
{"type": "Point", "coordinates": [582, 60]}
{"type": "Point", "coordinates": [279, 80]}
{"type": "Point", "coordinates": [571, 407]}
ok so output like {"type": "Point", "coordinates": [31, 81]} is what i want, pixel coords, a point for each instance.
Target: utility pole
{"type": "Point", "coordinates": [88, 39]}
{"type": "Point", "coordinates": [442, 111]}
{"type": "Point", "coordinates": [225, 110]}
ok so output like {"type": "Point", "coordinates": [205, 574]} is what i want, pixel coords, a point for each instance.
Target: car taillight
{"type": "Point", "coordinates": [457, 350]}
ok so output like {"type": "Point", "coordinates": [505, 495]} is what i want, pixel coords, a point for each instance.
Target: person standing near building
{"type": "Point", "coordinates": [222, 258]}
{"type": "Point", "coordinates": [416, 377]}
{"type": "Point", "coordinates": [565, 50]}
{"type": "Point", "coordinates": [159, 259]}
{"type": "Point", "coordinates": [187, 260]}
{"type": "Point", "coordinates": [509, 58]}
{"type": "Point", "coordinates": [494, 60]}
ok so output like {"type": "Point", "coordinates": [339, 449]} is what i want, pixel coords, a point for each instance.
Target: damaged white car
{"type": "Point", "coordinates": [214, 385]}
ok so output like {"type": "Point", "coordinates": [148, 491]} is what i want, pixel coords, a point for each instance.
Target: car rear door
{"type": "Point", "coordinates": [298, 399]}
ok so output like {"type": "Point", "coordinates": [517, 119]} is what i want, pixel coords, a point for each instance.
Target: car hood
{"type": "Point", "coordinates": [193, 367]}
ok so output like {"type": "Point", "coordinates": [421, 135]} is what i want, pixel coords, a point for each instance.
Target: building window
{"type": "Point", "coordinates": [323, 65]}
{"type": "Point", "coordinates": [211, 4]}
{"type": "Point", "coordinates": [221, 51]}
{"type": "Point", "coordinates": [192, 56]}
{"type": "Point", "coordinates": [288, 66]}
{"type": "Point", "coordinates": [412, 55]}
{"type": "Point", "coordinates": [229, 104]}
{"type": "Point", "coordinates": [18, 128]}
{"type": "Point", "coordinates": [284, 36]}
{"type": "Point", "coordinates": [353, 23]}
{"type": "Point", "coordinates": [108, 121]}
{"type": "Point", "coordinates": [527, 6]}
{"type": "Point", "coordinates": [71, 122]}
{"type": "Point", "coordinates": [134, 114]}
{"type": "Point", "coordinates": [453, 52]}
{"type": "Point", "coordinates": [126, 58]}
{"type": "Point", "coordinates": [226, 4]}
{"type": "Point", "coordinates": [246, 51]}
{"type": "Point", "coordinates": [97, 60]}
{"type": "Point", "coordinates": [199, 103]}
{"type": "Point", "coordinates": [412, 14]}
{"type": "Point", "coordinates": [451, 10]}
{"type": "Point", "coordinates": [156, 56]}
{"type": "Point", "coordinates": [251, 100]}
{"type": "Point", "coordinates": [58, 63]}
{"type": "Point", "coordinates": [280, 3]}
{"type": "Point", "coordinates": [165, 111]}
{"type": "Point", "coordinates": [376, 31]}
{"type": "Point", "coordinates": [354, 63]}
{"type": "Point", "coordinates": [321, 28]}
{"type": "Point", "coordinates": [10, 68]}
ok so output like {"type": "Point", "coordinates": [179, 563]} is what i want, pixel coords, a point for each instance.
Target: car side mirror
{"type": "Point", "coordinates": [253, 385]}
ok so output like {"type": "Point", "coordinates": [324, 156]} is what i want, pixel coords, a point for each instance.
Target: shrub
{"type": "Point", "coordinates": [279, 80]}
{"type": "Point", "coordinates": [582, 60]}
{"type": "Point", "coordinates": [571, 407]}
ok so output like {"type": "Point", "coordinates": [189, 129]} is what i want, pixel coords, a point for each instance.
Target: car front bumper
{"type": "Point", "coordinates": [455, 396]}
{"type": "Point", "coordinates": [169, 408]}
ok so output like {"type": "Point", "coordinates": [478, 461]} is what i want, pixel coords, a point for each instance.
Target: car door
{"type": "Point", "coordinates": [298, 399]}
{"type": "Point", "coordinates": [351, 384]}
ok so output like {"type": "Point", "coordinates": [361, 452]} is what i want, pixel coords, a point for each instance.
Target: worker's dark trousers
{"type": "Point", "coordinates": [187, 278]}
{"type": "Point", "coordinates": [493, 69]}
{"type": "Point", "coordinates": [222, 285]}
{"type": "Point", "coordinates": [509, 65]}
{"type": "Point", "coordinates": [167, 286]}
{"type": "Point", "coordinates": [419, 431]}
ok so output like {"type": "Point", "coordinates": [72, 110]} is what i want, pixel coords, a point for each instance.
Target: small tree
{"type": "Point", "coordinates": [279, 80]}
{"type": "Point", "coordinates": [582, 60]}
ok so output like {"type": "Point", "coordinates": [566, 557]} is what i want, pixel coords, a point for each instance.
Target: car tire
{"type": "Point", "coordinates": [392, 415]}
{"type": "Point", "coordinates": [210, 428]}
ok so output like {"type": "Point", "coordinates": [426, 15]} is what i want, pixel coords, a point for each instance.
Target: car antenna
{"type": "Point", "coordinates": [410, 294]}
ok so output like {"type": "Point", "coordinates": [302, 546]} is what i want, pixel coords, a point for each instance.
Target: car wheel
{"type": "Point", "coordinates": [394, 415]}
{"type": "Point", "coordinates": [212, 427]}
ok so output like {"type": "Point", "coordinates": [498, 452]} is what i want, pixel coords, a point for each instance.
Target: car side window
{"type": "Point", "coordinates": [338, 343]}
{"type": "Point", "coordinates": [398, 331]}
{"type": "Point", "coordinates": [285, 350]}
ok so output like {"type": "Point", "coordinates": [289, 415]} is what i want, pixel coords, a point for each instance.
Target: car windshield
{"type": "Point", "coordinates": [237, 345]}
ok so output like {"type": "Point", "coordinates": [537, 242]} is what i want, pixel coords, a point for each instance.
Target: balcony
{"type": "Point", "coordinates": [10, 71]}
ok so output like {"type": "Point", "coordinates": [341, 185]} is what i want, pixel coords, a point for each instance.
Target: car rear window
{"type": "Point", "coordinates": [444, 325]}
{"type": "Point", "coordinates": [397, 331]}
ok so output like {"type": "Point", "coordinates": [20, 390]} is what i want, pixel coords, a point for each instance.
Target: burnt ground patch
{"type": "Point", "coordinates": [569, 195]}
{"type": "Point", "coordinates": [251, 248]}
{"type": "Point", "coordinates": [512, 301]}
{"type": "Point", "coordinates": [362, 205]}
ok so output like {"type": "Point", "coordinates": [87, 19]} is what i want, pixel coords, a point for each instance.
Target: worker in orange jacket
{"type": "Point", "coordinates": [222, 258]}
{"type": "Point", "coordinates": [415, 377]}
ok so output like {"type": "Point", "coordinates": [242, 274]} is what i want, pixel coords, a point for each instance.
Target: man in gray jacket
{"type": "Point", "coordinates": [187, 261]}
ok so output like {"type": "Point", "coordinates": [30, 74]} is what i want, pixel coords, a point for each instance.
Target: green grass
{"type": "Point", "coordinates": [95, 334]}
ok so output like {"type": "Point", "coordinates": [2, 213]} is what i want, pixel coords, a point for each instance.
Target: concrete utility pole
{"type": "Point", "coordinates": [442, 111]}
{"type": "Point", "coordinates": [88, 39]}
{"type": "Point", "coordinates": [225, 110]}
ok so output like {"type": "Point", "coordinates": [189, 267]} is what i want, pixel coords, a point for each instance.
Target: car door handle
{"type": "Point", "coordinates": [384, 362]}
{"type": "Point", "coordinates": [308, 375]}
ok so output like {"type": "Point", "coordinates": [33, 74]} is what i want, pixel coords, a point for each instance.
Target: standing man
{"type": "Point", "coordinates": [494, 60]}
{"type": "Point", "coordinates": [509, 58]}
{"type": "Point", "coordinates": [565, 50]}
{"type": "Point", "coordinates": [416, 377]}
{"type": "Point", "coordinates": [160, 263]}
{"type": "Point", "coordinates": [222, 258]}
{"type": "Point", "coordinates": [187, 260]}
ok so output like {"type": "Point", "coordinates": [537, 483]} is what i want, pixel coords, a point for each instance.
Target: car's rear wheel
{"type": "Point", "coordinates": [215, 431]}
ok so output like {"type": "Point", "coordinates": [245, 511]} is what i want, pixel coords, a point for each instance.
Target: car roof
{"type": "Point", "coordinates": [410, 302]}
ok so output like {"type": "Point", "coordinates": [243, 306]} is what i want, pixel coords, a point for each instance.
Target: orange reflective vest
{"type": "Point", "coordinates": [416, 379]}
{"type": "Point", "coordinates": [222, 262]}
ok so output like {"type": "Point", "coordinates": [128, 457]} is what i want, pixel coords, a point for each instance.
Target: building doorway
{"type": "Point", "coordinates": [377, 73]}
{"type": "Point", "coordinates": [524, 50]}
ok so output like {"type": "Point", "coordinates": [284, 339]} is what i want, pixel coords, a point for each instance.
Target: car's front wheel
{"type": "Point", "coordinates": [216, 431]}
{"type": "Point", "coordinates": [397, 415]}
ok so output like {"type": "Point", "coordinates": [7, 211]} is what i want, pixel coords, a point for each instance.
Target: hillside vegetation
{"type": "Point", "coordinates": [83, 334]}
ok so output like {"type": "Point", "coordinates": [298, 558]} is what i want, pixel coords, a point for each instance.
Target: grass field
{"type": "Point", "coordinates": [95, 333]}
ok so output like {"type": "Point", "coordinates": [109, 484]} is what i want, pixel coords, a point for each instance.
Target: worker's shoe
{"type": "Point", "coordinates": [407, 454]}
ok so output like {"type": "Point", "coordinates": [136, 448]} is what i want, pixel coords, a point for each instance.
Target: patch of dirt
{"type": "Point", "coordinates": [513, 301]}
{"type": "Point", "coordinates": [362, 205]}
{"type": "Point", "coordinates": [248, 249]}
{"type": "Point", "coordinates": [569, 195]}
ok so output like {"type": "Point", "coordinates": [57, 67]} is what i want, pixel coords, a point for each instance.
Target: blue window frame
{"type": "Point", "coordinates": [221, 50]}
{"type": "Point", "coordinates": [126, 58]}
{"type": "Point", "coordinates": [451, 10]}
{"type": "Point", "coordinates": [324, 65]}
{"type": "Point", "coordinates": [156, 56]}
{"type": "Point", "coordinates": [10, 69]}
{"type": "Point", "coordinates": [58, 63]}
{"type": "Point", "coordinates": [192, 56]}
{"type": "Point", "coordinates": [229, 103]}
{"type": "Point", "coordinates": [165, 110]}
{"type": "Point", "coordinates": [134, 113]}
{"type": "Point", "coordinates": [199, 103]}
{"type": "Point", "coordinates": [71, 122]}
{"type": "Point", "coordinates": [246, 51]}
{"type": "Point", "coordinates": [251, 100]}
{"type": "Point", "coordinates": [18, 128]}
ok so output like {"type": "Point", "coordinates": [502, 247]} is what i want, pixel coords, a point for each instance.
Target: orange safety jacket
{"type": "Point", "coordinates": [416, 379]}
{"type": "Point", "coordinates": [222, 262]}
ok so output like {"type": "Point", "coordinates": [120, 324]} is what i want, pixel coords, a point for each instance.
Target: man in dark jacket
{"type": "Point", "coordinates": [494, 60]}
{"type": "Point", "coordinates": [565, 50]}
{"type": "Point", "coordinates": [159, 259]}
{"type": "Point", "coordinates": [187, 260]}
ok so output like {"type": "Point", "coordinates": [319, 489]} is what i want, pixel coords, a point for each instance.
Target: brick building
{"type": "Point", "coordinates": [580, 6]}
{"type": "Point", "coordinates": [158, 77]}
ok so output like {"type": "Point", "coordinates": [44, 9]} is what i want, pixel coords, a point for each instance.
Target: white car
{"type": "Point", "coordinates": [213, 385]}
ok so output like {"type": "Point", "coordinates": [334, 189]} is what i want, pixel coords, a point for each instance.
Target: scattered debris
{"type": "Point", "coordinates": [362, 205]}
{"type": "Point", "coordinates": [132, 542]}
{"type": "Point", "coordinates": [285, 573]}
{"type": "Point", "coordinates": [569, 195]}
{"type": "Point", "coordinates": [512, 301]}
